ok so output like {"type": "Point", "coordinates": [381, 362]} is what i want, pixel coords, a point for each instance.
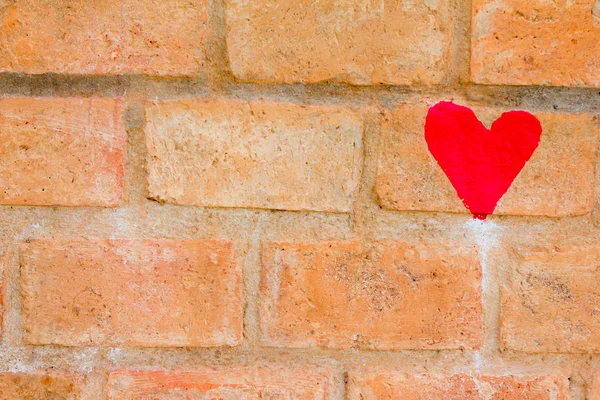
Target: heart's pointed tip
{"type": "Point", "coordinates": [481, 217]}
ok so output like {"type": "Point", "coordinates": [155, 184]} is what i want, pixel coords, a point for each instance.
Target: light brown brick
{"type": "Point", "coordinates": [221, 153]}
{"type": "Point", "coordinates": [39, 385]}
{"type": "Point", "coordinates": [517, 42]}
{"type": "Point", "coordinates": [103, 37]}
{"type": "Point", "coordinates": [65, 151]}
{"type": "Point", "coordinates": [357, 42]}
{"type": "Point", "coordinates": [558, 180]}
{"type": "Point", "coordinates": [255, 382]}
{"type": "Point", "coordinates": [551, 303]}
{"type": "Point", "coordinates": [372, 385]}
{"type": "Point", "coordinates": [131, 292]}
{"type": "Point", "coordinates": [384, 295]}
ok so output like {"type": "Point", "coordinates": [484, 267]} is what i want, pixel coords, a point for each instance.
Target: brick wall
{"type": "Point", "coordinates": [230, 199]}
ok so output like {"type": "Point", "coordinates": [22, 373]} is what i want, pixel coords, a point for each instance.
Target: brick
{"type": "Point", "coordinates": [221, 153]}
{"type": "Point", "coordinates": [550, 304]}
{"type": "Point", "coordinates": [131, 292]}
{"type": "Point", "coordinates": [67, 151]}
{"type": "Point", "coordinates": [103, 37]}
{"type": "Point", "coordinates": [383, 295]}
{"type": "Point", "coordinates": [39, 385]}
{"type": "Point", "coordinates": [395, 385]}
{"type": "Point", "coordinates": [356, 42]}
{"type": "Point", "coordinates": [515, 42]}
{"type": "Point", "coordinates": [255, 382]}
{"type": "Point", "coordinates": [558, 180]}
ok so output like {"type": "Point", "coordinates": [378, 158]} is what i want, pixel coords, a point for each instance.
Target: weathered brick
{"type": "Point", "coordinates": [383, 295]}
{"type": "Point", "coordinates": [221, 153]}
{"type": "Point", "coordinates": [558, 180]}
{"type": "Point", "coordinates": [39, 385]}
{"type": "Point", "coordinates": [256, 382]}
{"type": "Point", "coordinates": [357, 42]}
{"type": "Point", "coordinates": [103, 37]}
{"type": "Point", "coordinates": [131, 292]}
{"type": "Point", "coordinates": [551, 303]}
{"type": "Point", "coordinates": [61, 152]}
{"type": "Point", "coordinates": [516, 42]}
{"type": "Point", "coordinates": [372, 385]}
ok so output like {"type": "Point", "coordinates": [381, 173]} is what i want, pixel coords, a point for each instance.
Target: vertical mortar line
{"type": "Point", "coordinates": [134, 121]}
{"type": "Point", "coordinates": [366, 200]}
{"type": "Point", "coordinates": [486, 235]}
{"type": "Point", "coordinates": [460, 51]}
{"type": "Point", "coordinates": [251, 270]}
{"type": "Point", "coordinates": [12, 332]}
{"type": "Point", "coordinates": [216, 61]}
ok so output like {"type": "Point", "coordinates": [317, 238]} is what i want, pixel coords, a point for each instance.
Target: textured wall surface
{"type": "Point", "coordinates": [231, 199]}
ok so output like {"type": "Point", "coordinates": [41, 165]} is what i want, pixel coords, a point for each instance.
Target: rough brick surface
{"type": "Point", "coordinates": [397, 386]}
{"type": "Point", "coordinates": [61, 152]}
{"type": "Point", "coordinates": [551, 303]}
{"type": "Point", "coordinates": [254, 382]}
{"type": "Point", "coordinates": [357, 42]}
{"type": "Point", "coordinates": [39, 385]}
{"type": "Point", "coordinates": [103, 37]}
{"type": "Point", "coordinates": [386, 295]}
{"type": "Point", "coordinates": [516, 42]}
{"type": "Point", "coordinates": [558, 180]}
{"type": "Point", "coordinates": [263, 155]}
{"type": "Point", "coordinates": [234, 200]}
{"type": "Point", "coordinates": [131, 292]}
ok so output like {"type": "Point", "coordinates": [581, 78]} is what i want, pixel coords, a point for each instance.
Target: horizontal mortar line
{"type": "Point", "coordinates": [419, 363]}
{"type": "Point", "coordinates": [425, 355]}
{"type": "Point", "coordinates": [20, 78]}
{"type": "Point", "coordinates": [75, 212]}
{"type": "Point", "coordinates": [142, 86]}
{"type": "Point", "coordinates": [12, 221]}
{"type": "Point", "coordinates": [135, 211]}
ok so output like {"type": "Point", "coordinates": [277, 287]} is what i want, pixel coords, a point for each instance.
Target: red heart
{"type": "Point", "coordinates": [481, 163]}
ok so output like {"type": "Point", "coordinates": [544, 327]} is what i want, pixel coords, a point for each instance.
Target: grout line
{"type": "Point", "coordinates": [365, 199]}
{"type": "Point", "coordinates": [486, 234]}
{"type": "Point", "coordinates": [553, 99]}
{"type": "Point", "coordinates": [251, 271]}
{"type": "Point", "coordinates": [12, 332]}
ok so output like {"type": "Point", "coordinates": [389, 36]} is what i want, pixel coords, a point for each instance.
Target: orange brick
{"type": "Point", "coordinates": [551, 303]}
{"type": "Point", "coordinates": [558, 180]}
{"type": "Point", "coordinates": [385, 295]}
{"type": "Point", "coordinates": [517, 42]}
{"type": "Point", "coordinates": [103, 37]}
{"type": "Point", "coordinates": [131, 292]}
{"type": "Point", "coordinates": [38, 385]}
{"type": "Point", "coordinates": [61, 152]}
{"type": "Point", "coordinates": [255, 382]}
{"type": "Point", "coordinates": [221, 153]}
{"type": "Point", "coordinates": [395, 386]}
{"type": "Point", "coordinates": [362, 43]}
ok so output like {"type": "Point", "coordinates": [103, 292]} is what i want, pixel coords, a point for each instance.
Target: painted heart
{"type": "Point", "coordinates": [480, 163]}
